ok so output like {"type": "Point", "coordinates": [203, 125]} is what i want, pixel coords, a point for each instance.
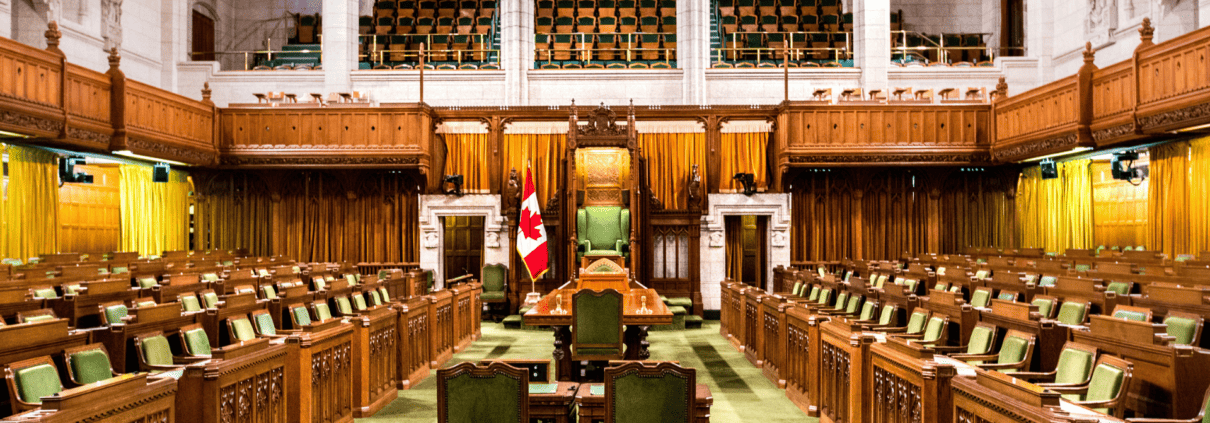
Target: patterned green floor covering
{"type": "Point", "coordinates": [741, 393]}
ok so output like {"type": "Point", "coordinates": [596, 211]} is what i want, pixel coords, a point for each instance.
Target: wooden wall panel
{"type": "Point", "coordinates": [89, 214]}
{"type": "Point", "coordinates": [1119, 209]}
{"type": "Point", "coordinates": [394, 136]}
{"type": "Point", "coordinates": [163, 124]}
{"type": "Point", "coordinates": [1174, 82]}
{"type": "Point", "coordinates": [1048, 109]}
{"type": "Point", "coordinates": [31, 89]}
{"type": "Point", "coordinates": [887, 125]}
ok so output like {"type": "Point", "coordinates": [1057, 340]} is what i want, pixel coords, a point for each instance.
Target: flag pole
{"type": "Point", "coordinates": [533, 296]}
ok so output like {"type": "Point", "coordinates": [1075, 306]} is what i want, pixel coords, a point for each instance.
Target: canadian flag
{"type": "Point", "coordinates": [531, 233]}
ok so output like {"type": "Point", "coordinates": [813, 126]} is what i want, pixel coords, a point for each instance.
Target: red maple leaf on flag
{"type": "Point", "coordinates": [529, 224]}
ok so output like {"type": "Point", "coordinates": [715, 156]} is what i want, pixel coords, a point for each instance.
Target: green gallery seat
{"type": "Point", "coordinates": [30, 380]}
{"type": "Point", "coordinates": [642, 392]}
{"type": "Point", "coordinates": [596, 329]}
{"type": "Point", "coordinates": [88, 364]}
{"type": "Point", "coordinates": [1106, 389]}
{"type": "Point", "coordinates": [495, 287]}
{"type": "Point", "coordinates": [602, 230]}
{"type": "Point", "coordinates": [475, 393]}
{"type": "Point", "coordinates": [114, 313]}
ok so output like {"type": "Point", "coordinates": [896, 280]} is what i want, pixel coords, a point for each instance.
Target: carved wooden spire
{"type": "Point", "coordinates": [1146, 33]}
{"type": "Point", "coordinates": [1089, 53]}
{"type": "Point", "coordinates": [206, 94]}
{"type": "Point", "coordinates": [52, 37]}
{"type": "Point", "coordinates": [1001, 89]}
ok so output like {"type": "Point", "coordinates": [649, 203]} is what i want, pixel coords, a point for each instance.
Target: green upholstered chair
{"type": "Point", "coordinates": [1015, 354]}
{"type": "Point", "coordinates": [1046, 305]}
{"type": "Point", "coordinates": [375, 298]}
{"type": "Point", "coordinates": [264, 323]}
{"type": "Point", "coordinates": [941, 286]}
{"type": "Point", "coordinates": [319, 284]}
{"type": "Point", "coordinates": [321, 310]}
{"type": "Point", "coordinates": [916, 322]}
{"type": "Point", "coordinates": [867, 311]}
{"type": "Point", "coordinates": [194, 341]}
{"type": "Point", "coordinates": [887, 317]}
{"type": "Point", "coordinates": [189, 303]}
{"type": "Point", "coordinates": [144, 302]}
{"type": "Point", "coordinates": [344, 306]}
{"type": "Point", "coordinates": [981, 297]}
{"type": "Point", "coordinates": [474, 393]}
{"type": "Point", "coordinates": [1186, 328]}
{"type": "Point", "coordinates": [35, 316]}
{"type": "Point", "coordinates": [596, 328]}
{"type": "Point", "coordinates": [638, 392]}
{"type": "Point", "coordinates": [299, 316]}
{"type": "Point", "coordinates": [1073, 369]}
{"type": "Point", "coordinates": [146, 282]}
{"type": "Point", "coordinates": [814, 293]}
{"type": "Point", "coordinates": [602, 230]}
{"type": "Point", "coordinates": [848, 274]}
{"type": "Point", "coordinates": [244, 289]}
{"type": "Point", "coordinates": [797, 290]}
{"type": "Point", "coordinates": [210, 277]}
{"type": "Point", "coordinates": [1120, 288]}
{"type": "Point", "coordinates": [210, 299]}
{"type": "Point", "coordinates": [935, 331]}
{"type": "Point", "coordinates": [155, 355]}
{"type": "Point", "coordinates": [87, 364]}
{"type": "Point", "coordinates": [351, 279]}
{"type": "Point", "coordinates": [30, 380]}
{"type": "Point", "coordinates": [359, 302]}
{"type": "Point", "coordinates": [1106, 390]}
{"type": "Point", "coordinates": [1047, 281]}
{"type": "Point", "coordinates": [982, 274]}
{"type": "Point", "coordinates": [825, 297]}
{"type": "Point", "coordinates": [240, 329]}
{"type": "Point", "coordinates": [114, 313]}
{"type": "Point", "coordinates": [386, 296]}
{"type": "Point", "coordinates": [1073, 313]}
{"type": "Point", "coordinates": [44, 293]}
{"type": "Point", "coordinates": [1008, 295]}
{"type": "Point", "coordinates": [983, 338]}
{"type": "Point", "coordinates": [1137, 314]}
{"type": "Point", "coordinates": [495, 280]}
{"type": "Point", "coordinates": [268, 292]}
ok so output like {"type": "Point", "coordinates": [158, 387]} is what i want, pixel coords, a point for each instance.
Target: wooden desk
{"type": "Point", "coordinates": [592, 407]}
{"type": "Point", "coordinates": [995, 397]}
{"type": "Point", "coordinates": [125, 398]}
{"type": "Point", "coordinates": [556, 406]}
{"type": "Point", "coordinates": [636, 323]}
{"type": "Point", "coordinates": [254, 371]}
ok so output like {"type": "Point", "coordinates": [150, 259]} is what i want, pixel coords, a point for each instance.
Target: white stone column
{"type": "Point", "coordinates": [713, 260]}
{"type": "Point", "coordinates": [516, 48]}
{"type": "Point", "coordinates": [175, 32]}
{"type": "Point", "coordinates": [872, 41]}
{"type": "Point", "coordinates": [693, 48]}
{"type": "Point", "coordinates": [339, 43]}
{"type": "Point", "coordinates": [1039, 38]}
{"type": "Point", "coordinates": [1203, 13]}
{"type": "Point", "coordinates": [6, 18]}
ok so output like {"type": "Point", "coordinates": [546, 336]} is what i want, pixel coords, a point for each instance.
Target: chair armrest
{"type": "Point", "coordinates": [975, 357]}
{"type": "Point", "coordinates": [184, 359]}
{"type": "Point", "coordinates": [161, 368]}
{"type": "Point", "coordinates": [996, 366]}
{"type": "Point", "coordinates": [948, 349]}
{"type": "Point", "coordinates": [1070, 389]}
{"type": "Point", "coordinates": [1035, 376]}
{"type": "Point", "coordinates": [911, 336]}
{"type": "Point", "coordinates": [1098, 404]}
{"type": "Point", "coordinates": [585, 244]}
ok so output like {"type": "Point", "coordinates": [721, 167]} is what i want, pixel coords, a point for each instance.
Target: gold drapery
{"type": "Point", "coordinates": [155, 216]}
{"type": "Point", "coordinates": [30, 206]}
{"type": "Point", "coordinates": [468, 156]}
{"type": "Point", "coordinates": [1056, 214]}
{"type": "Point", "coordinates": [1199, 203]}
{"type": "Point", "coordinates": [670, 159]}
{"type": "Point", "coordinates": [734, 231]}
{"type": "Point", "coordinates": [543, 151]}
{"type": "Point", "coordinates": [742, 152]}
{"type": "Point", "coordinates": [1120, 209]}
{"type": "Point", "coordinates": [1168, 199]}
{"type": "Point", "coordinates": [232, 210]}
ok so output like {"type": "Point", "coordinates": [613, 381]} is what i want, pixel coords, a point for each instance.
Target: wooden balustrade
{"type": "Point", "coordinates": [319, 365]}
{"type": "Point", "coordinates": [803, 354]}
{"type": "Point", "coordinates": [244, 382]}
{"type": "Point", "coordinates": [441, 310]}
{"type": "Point", "coordinates": [415, 341]}
{"type": "Point", "coordinates": [773, 326]}
{"type": "Point", "coordinates": [754, 335]}
{"type": "Point", "coordinates": [375, 359]}
{"type": "Point", "coordinates": [32, 89]}
{"type": "Point", "coordinates": [907, 385]}
{"type": "Point", "coordinates": [1040, 121]}
{"type": "Point", "coordinates": [844, 355]}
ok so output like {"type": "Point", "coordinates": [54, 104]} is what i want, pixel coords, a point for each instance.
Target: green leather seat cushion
{"type": "Point", "coordinates": [269, 292]}
{"type": "Point", "coordinates": [1182, 328]}
{"type": "Point", "coordinates": [301, 316]}
{"type": "Point", "coordinates": [189, 303]}
{"type": "Point", "coordinates": [680, 301]}
{"type": "Point", "coordinates": [1007, 296]}
{"type": "Point", "coordinates": [1044, 306]}
{"type": "Point", "coordinates": [375, 298]}
{"type": "Point", "coordinates": [482, 399]}
{"type": "Point", "coordinates": [1047, 281]}
{"type": "Point", "coordinates": [156, 352]}
{"type": "Point", "coordinates": [38, 381]}
{"type": "Point", "coordinates": [492, 295]}
{"type": "Point", "coordinates": [39, 318]}
{"type": "Point", "coordinates": [678, 311]}
{"type": "Point", "coordinates": [980, 298]}
{"type": "Point", "coordinates": [867, 311]}
{"type": "Point", "coordinates": [146, 282]}
{"type": "Point", "coordinates": [46, 293]}
{"type": "Point", "coordinates": [343, 304]}
{"type": "Point", "coordinates": [1130, 315]}
{"type": "Point", "coordinates": [797, 290]}
{"type": "Point", "coordinates": [1106, 381]}
{"type": "Point", "coordinates": [322, 312]}
{"type": "Point", "coordinates": [1012, 351]}
{"type": "Point", "coordinates": [814, 294]}
{"type": "Point", "coordinates": [115, 313]}
{"type": "Point", "coordinates": [242, 329]}
{"type": "Point", "coordinates": [90, 366]}
{"type": "Point", "coordinates": [1072, 313]}
{"type": "Point", "coordinates": [493, 280]}
{"type": "Point", "coordinates": [264, 323]}
{"type": "Point", "coordinates": [597, 319]}
{"type": "Point", "coordinates": [386, 296]}
{"type": "Point", "coordinates": [1074, 366]}
{"type": "Point", "coordinates": [359, 302]}
{"type": "Point", "coordinates": [1121, 288]}
{"type": "Point", "coordinates": [916, 323]}
{"type": "Point", "coordinates": [888, 312]}
{"type": "Point", "coordinates": [211, 299]}
{"type": "Point", "coordinates": [651, 399]}
{"type": "Point", "coordinates": [934, 329]}
{"type": "Point", "coordinates": [980, 341]}
{"type": "Point", "coordinates": [198, 342]}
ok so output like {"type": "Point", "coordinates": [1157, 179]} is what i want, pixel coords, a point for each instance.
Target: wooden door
{"type": "Point", "coordinates": [203, 37]}
{"type": "Point", "coordinates": [463, 246]}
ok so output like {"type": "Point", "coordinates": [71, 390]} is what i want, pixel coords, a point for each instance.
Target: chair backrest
{"type": "Point", "coordinates": [917, 321]}
{"type": "Point", "coordinates": [854, 304]}
{"type": "Point", "coordinates": [1047, 281]}
{"type": "Point", "coordinates": [359, 302]}
{"type": "Point", "coordinates": [322, 311]}
{"type": "Point", "coordinates": [1185, 327]}
{"type": "Point", "coordinates": [154, 349]}
{"type": "Point", "coordinates": [1072, 313]}
{"type": "Point", "coordinates": [375, 298]}
{"type": "Point", "coordinates": [386, 296]}
{"type": "Point", "coordinates": [797, 290]}
{"type": "Point", "coordinates": [1008, 296]}
{"type": "Point", "coordinates": [638, 392]}
{"type": "Point", "coordinates": [1017, 347]}
{"type": "Point", "coordinates": [189, 302]}
{"type": "Point", "coordinates": [474, 393]}
{"type": "Point", "coordinates": [1120, 288]}
{"type": "Point", "coordinates": [814, 293]}
{"type": "Point", "coordinates": [268, 292]}
{"type": "Point", "coordinates": [35, 316]}
{"type": "Point", "coordinates": [1046, 305]}
{"type": "Point", "coordinates": [1137, 314]}
{"type": "Point", "coordinates": [33, 379]}
{"type": "Point", "coordinates": [981, 340]}
{"type": "Point", "coordinates": [980, 297]}
{"type": "Point", "coordinates": [1110, 381]}
{"type": "Point", "coordinates": [299, 315]}
{"type": "Point", "coordinates": [825, 296]}
{"type": "Point", "coordinates": [888, 314]}
{"type": "Point", "coordinates": [598, 319]}
{"type": "Point", "coordinates": [241, 329]}
{"type": "Point", "coordinates": [114, 312]}
{"type": "Point", "coordinates": [494, 277]}
{"type": "Point", "coordinates": [88, 364]}
{"type": "Point", "coordinates": [841, 301]}
{"type": "Point", "coordinates": [264, 323]}
{"type": "Point", "coordinates": [210, 299]}
{"type": "Point", "coordinates": [602, 225]}
{"type": "Point", "coordinates": [935, 328]}
{"type": "Point", "coordinates": [45, 293]}
{"type": "Point", "coordinates": [194, 340]}
{"type": "Point", "coordinates": [344, 306]}
{"type": "Point", "coordinates": [1075, 363]}
{"type": "Point", "coordinates": [867, 310]}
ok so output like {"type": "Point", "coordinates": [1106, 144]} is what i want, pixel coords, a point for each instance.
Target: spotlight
{"type": "Point", "coordinates": [1122, 167]}
{"type": "Point", "coordinates": [160, 172]}
{"type": "Point", "coordinates": [67, 171]}
{"type": "Point", "coordinates": [1049, 170]}
{"type": "Point", "coordinates": [748, 180]}
{"type": "Point", "coordinates": [456, 181]}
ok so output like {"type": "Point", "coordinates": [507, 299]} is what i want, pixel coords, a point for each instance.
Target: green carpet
{"type": "Point", "coordinates": [741, 393]}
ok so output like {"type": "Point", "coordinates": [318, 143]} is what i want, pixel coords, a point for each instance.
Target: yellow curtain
{"type": "Point", "coordinates": [468, 156]}
{"type": "Point", "coordinates": [670, 159]}
{"type": "Point", "coordinates": [155, 216]}
{"type": "Point", "coordinates": [31, 204]}
{"type": "Point", "coordinates": [743, 152]}
{"type": "Point", "coordinates": [1056, 214]}
{"type": "Point", "coordinates": [1168, 199]}
{"type": "Point", "coordinates": [1199, 204]}
{"type": "Point", "coordinates": [543, 151]}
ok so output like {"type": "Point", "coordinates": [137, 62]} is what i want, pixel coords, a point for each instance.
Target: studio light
{"type": "Point", "coordinates": [456, 181]}
{"type": "Point", "coordinates": [159, 173]}
{"type": "Point", "coordinates": [1049, 169]}
{"type": "Point", "coordinates": [67, 171]}
{"type": "Point", "coordinates": [748, 180]}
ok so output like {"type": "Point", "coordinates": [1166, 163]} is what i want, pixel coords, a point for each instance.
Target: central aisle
{"type": "Point", "coordinates": [741, 393]}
